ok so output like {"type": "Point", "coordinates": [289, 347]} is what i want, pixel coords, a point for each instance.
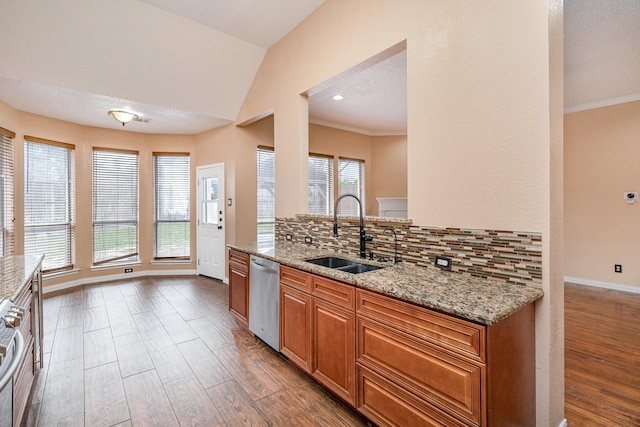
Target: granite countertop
{"type": "Point", "coordinates": [15, 273]}
{"type": "Point", "coordinates": [480, 300]}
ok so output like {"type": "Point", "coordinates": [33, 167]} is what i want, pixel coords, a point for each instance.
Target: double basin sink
{"type": "Point", "coordinates": [343, 264]}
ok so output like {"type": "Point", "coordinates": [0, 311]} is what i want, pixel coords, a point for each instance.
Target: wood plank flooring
{"type": "Point", "coordinates": [166, 352]}
{"type": "Point", "coordinates": [602, 357]}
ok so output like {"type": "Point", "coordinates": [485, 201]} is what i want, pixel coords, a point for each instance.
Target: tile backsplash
{"type": "Point", "coordinates": [510, 256]}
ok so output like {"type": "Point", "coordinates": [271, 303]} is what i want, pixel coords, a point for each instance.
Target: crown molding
{"type": "Point", "coordinates": [603, 103]}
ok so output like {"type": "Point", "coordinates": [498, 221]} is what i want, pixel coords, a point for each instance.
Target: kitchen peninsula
{"type": "Point", "coordinates": [406, 344]}
{"type": "Point", "coordinates": [21, 304]}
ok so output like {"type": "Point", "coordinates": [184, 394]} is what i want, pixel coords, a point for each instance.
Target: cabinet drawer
{"type": "Point", "coordinates": [295, 278]}
{"type": "Point", "coordinates": [442, 380]}
{"type": "Point", "coordinates": [240, 260]}
{"type": "Point", "coordinates": [334, 292]}
{"type": "Point", "coordinates": [465, 338]}
{"type": "Point", "coordinates": [387, 405]}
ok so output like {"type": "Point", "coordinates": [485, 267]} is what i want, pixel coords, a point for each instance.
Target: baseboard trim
{"type": "Point", "coordinates": [112, 277]}
{"type": "Point", "coordinates": [606, 285]}
{"type": "Point", "coordinates": [563, 423]}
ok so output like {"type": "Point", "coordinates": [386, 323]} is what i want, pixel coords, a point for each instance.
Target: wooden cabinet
{"type": "Point", "coordinates": [451, 371]}
{"type": "Point", "coordinates": [239, 287]}
{"type": "Point", "coordinates": [333, 344]}
{"type": "Point", "coordinates": [317, 329]}
{"type": "Point", "coordinates": [401, 364]}
{"type": "Point", "coordinates": [295, 326]}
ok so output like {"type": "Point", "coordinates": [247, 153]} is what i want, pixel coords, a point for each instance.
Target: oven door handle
{"type": "Point", "coordinates": [15, 361]}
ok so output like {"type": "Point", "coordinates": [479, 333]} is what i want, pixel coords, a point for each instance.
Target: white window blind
{"type": "Point", "coordinates": [6, 191]}
{"type": "Point", "coordinates": [172, 186]}
{"type": "Point", "coordinates": [320, 184]}
{"type": "Point", "coordinates": [49, 189]}
{"type": "Point", "coordinates": [115, 206]}
{"type": "Point", "coordinates": [351, 181]}
{"type": "Point", "coordinates": [266, 197]}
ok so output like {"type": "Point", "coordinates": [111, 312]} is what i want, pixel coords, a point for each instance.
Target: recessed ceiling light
{"type": "Point", "coordinates": [338, 97]}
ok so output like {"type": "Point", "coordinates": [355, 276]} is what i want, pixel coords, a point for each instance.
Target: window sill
{"type": "Point", "coordinates": [110, 266]}
{"type": "Point", "coordinates": [61, 273]}
{"type": "Point", "coordinates": [171, 261]}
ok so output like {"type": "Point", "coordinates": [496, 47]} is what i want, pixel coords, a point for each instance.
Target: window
{"type": "Point", "coordinates": [171, 190]}
{"type": "Point", "coordinates": [320, 184]}
{"type": "Point", "coordinates": [115, 206]}
{"type": "Point", "coordinates": [266, 198]}
{"type": "Point", "coordinates": [6, 191]}
{"type": "Point", "coordinates": [49, 188]}
{"type": "Point", "coordinates": [351, 179]}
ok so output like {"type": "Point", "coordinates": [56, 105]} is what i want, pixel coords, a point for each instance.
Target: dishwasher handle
{"type": "Point", "coordinates": [264, 268]}
{"type": "Point", "coordinates": [15, 361]}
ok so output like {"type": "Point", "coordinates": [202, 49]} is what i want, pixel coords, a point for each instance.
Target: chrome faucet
{"type": "Point", "coordinates": [364, 238]}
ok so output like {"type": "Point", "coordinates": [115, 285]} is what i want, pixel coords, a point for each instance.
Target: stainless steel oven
{"type": "Point", "coordinates": [12, 352]}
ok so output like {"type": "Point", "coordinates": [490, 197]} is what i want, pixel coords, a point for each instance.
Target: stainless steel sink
{"type": "Point", "coordinates": [343, 264]}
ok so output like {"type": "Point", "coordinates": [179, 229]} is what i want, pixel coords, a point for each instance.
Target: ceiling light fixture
{"type": "Point", "coordinates": [338, 97]}
{"type": "Point", "coordinates": [123, 117]}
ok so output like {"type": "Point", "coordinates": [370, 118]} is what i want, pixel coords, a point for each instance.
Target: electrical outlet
{"type": "Point", "coordinates": [128, 270]}
{"type": "Point", "coordinates": [308, 239]}
{"type": "Point", "coordinates": [617, 268]}
{"type": "Point", "coordinates": [443, 262]}
{"type": "Point", "coordinates": [289, 237]}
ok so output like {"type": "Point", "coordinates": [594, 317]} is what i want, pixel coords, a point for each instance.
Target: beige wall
{"type": "Point", "coordinates": [85, 138]}
{"type": "Point", "coordinates": [602, 153]}
{"type": "Point", "coordinates": [388, 171]}
{"type": "Point", "coordinates": [385, 159]}
{"type": "Point", "coordinates": [484, 107]}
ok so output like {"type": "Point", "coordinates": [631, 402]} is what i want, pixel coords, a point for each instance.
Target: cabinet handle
{"type": "Point", "coordinates": [15, 362]}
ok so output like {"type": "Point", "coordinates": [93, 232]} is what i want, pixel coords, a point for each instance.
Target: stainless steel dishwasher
{"type": "Point", "coordinates": [264, 300]}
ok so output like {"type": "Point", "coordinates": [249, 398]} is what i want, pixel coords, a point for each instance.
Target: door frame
{"type": "Point", "coordinates": [222, 207]}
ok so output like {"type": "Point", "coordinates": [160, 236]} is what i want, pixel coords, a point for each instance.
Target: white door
{"type": "Point", "coordinates": [210, 235]}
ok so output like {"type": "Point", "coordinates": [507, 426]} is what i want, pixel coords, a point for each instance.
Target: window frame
{"type": "Point", "coordinates": [7, 200]}
{"type": "Point", "coordinates": [132, 257]}
{"type": "Point", "coordinates": [344, 162]}
{"type": "Point", "coordinates": [69, 205]}
{"type": "Point", "coordinates": [329, 182]}
{"type": "Point", "coordinates": [265, 240]}
{"type": "Point", "coordinates": [157, 198]}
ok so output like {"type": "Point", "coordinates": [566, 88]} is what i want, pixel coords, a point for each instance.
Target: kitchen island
{"type": "Point", "coordinates": [404, 344]}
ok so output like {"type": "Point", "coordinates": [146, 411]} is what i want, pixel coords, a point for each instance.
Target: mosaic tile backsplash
{"type": "Point", "coordinates": [510, 256]}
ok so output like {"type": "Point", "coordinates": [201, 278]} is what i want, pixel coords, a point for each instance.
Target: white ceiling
{"type": "Point", "coordinates": [601, 52]}
{"type": "Point", "coordinates": [187, 66]}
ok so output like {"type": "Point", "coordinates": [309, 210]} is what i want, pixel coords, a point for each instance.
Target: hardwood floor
{"type": "Point", "coordinates": [602, 357]}
{"type": "Point", "coordinates": [166, 352]}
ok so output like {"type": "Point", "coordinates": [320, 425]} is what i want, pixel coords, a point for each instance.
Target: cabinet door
{"type": "Point", "coordinates": [295, 326]}
{"type": "Point", "coordinates": [334, 349]}
{"type": "Point", "coordinates": [239, 294]}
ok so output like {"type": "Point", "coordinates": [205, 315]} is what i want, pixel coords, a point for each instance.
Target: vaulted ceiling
{"type": "Point", "coordinates": [187, 66]}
